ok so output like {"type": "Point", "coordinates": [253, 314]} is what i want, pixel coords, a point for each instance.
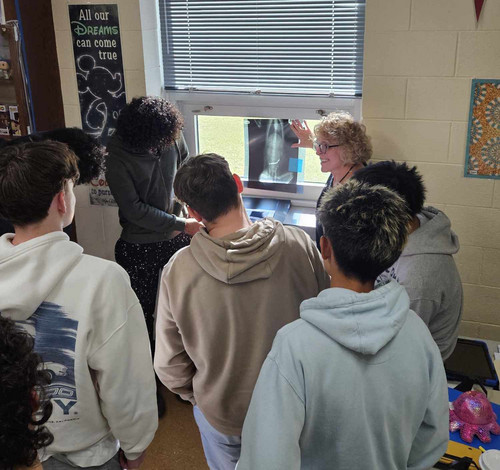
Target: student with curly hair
{"type": "Point", "coordinates": [357, 381]}
{"type": "Point", "coordinates": [144, 155]}
{"type": "Point", "coordinates": [23, 404]}
{"type": "Point", "coordinates": [342, 146]}
{"type": "Point", "coordinates": [89, 150]}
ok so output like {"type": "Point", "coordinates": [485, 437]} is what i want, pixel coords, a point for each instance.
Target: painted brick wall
{"type": "Point", "coordinates": [98, 227]}
{"type": "Point", "coordinates": [420, 58]}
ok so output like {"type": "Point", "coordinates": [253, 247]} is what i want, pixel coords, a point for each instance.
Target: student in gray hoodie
{"type": "Point", "coordinates": [357, 382]}
{"type": "Point", "coordinates": [426, 267]}
{"type": "Point", "coordinates": [223, 298]}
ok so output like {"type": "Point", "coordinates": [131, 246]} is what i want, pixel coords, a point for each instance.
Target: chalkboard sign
{"type": "Point", "coordinates": [99, 66]}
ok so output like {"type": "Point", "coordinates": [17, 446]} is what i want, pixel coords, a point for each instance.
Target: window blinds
{"type": "Point", "coordinates": [264, 46]}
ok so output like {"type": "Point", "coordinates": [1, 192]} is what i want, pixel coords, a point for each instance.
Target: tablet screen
{"type": "Point", "coordinates": [470, 359]}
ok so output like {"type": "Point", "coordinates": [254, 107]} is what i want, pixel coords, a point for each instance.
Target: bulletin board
{"type": "Point", "coordinates": [482, 158]}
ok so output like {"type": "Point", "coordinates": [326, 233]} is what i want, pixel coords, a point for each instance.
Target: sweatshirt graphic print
{"type": "Point", "coordinates": [55, 340]}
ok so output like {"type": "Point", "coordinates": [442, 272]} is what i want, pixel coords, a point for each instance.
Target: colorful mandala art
{"type": "Point", "coordinates": [493, 113]}
{"type": "Point", "coordinates": [473, 165]}
{"type": "Point", "coordinates": [476, 131]}
{"type": "Point", "coordinates": [483, 139]}
{"type": "Point", "coordinates": [479, 94]}
{"type": "Point", "coordinates": [491, 153]}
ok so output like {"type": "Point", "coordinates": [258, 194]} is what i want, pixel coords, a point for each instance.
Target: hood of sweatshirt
{"type": "Point", "coordinates": [363, 323]}
{"type": "Point", "coordinates": [243, 256]}
{"type": "Point", "coordinates": [31, 270]}
{"type": "Point", "coordinates": [116, 146]}
{"type": "Point", "coordinates": [434, 236]}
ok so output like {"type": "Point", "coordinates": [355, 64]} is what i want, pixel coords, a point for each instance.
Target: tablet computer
{"type": "Point", "coordinates": [471, 360]}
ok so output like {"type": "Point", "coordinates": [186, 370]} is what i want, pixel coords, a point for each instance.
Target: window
{"type": "Point", "coordinates": [233, 144]}
{"type": "Point", "coordinates": [267, 46]}
{"type": "Point", "coordinates": [227, 62]}
{"type": "Point", "coordinates": [216, 123]}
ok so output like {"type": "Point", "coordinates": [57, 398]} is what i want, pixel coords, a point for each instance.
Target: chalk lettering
{"type": "Point", "coordinates": [108, 55]}
{"type": "Point", "coordinates": [85, 15]}
{"type": "Point", "coordinates": [105, 42]}
{"type": "Point", "coordinates": [83, 43]}
{"type": "Point", "coordinates": [80, 29]}
{"type": "Point", "coordinates": [101, 15]}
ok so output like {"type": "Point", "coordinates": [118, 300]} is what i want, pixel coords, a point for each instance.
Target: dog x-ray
{"type": "Point", "coordinates": [272, 162]}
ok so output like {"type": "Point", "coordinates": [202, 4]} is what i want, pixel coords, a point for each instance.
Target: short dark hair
{"type": "Point", "coordinates": [149, 123]}
{"type": "Point", "coordinates": [21, 433]}
{"type": "Point", "coordinates": [367, 227]}
{"type": "Point", "coordinates": [30, 176]}
{"type": "Point", "coordinates": [399, 177]}
{"type": "Point", "coordinates": [206, 184]}
{"type": "Point", "coordinates": [89, 150]}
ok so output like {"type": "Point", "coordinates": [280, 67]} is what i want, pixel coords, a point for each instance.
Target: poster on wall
{"type": "Point", "coordinates": [272, 162]}
{"type": "Point", "coordinates": [482, 158]}
{"type": "Point", "coordinates": [97, 49]}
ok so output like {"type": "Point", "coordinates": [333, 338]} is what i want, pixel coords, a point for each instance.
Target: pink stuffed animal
{"type": "Point", "coordinates": [472, 414]}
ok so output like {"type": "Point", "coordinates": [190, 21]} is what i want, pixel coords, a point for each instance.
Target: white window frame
{"type": "Point", "coordinates": [192, 104]}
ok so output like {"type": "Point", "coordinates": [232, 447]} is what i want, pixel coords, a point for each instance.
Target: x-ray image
{"type": "Point", "coordinates": [272, 163]}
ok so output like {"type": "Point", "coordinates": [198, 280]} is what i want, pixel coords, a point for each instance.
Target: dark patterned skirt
{"type": "Point", "coordinates": [143, 263]}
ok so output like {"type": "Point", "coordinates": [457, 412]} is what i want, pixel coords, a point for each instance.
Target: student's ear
{"type": "Point", "coordinates": [238, 182]}
{"type": "Point", "coordinates": [327, 254]}
{"type": "Point", "coordinates": [326, 247]}
{"type": "Point", "coordinates": [195, 215]}
{"type": "Point", "coordinates": [60, 201]}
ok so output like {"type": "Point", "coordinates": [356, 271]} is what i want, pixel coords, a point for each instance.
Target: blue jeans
{"type": "Point", "coordinates": [221, 451]}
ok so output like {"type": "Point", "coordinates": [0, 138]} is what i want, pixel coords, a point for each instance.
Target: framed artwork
{"type": "Point", "coordinates": [482, 157]}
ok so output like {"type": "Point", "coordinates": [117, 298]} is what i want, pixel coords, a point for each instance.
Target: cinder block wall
{"type": "Point", "coordinates": [420, 57]}
{"type": "Point", "coordinates": [98, 227]}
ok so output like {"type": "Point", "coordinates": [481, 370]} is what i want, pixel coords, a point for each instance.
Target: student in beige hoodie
{"type": "Point", "coordinates": [223, 298]}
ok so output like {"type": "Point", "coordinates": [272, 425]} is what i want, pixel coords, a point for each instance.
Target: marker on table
{"type": "Point", "coordinates": [482, 449]}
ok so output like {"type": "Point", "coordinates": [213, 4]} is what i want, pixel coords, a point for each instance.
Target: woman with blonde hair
{"type": "Point", "coordinates": [342, 146]}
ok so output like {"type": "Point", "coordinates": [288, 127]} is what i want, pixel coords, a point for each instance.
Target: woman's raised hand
{"type": "Point", "coordinates": [303, 133]}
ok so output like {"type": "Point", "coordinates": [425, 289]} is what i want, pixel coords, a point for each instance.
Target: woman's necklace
{"type": "Point", "coordinates": [348, 171]}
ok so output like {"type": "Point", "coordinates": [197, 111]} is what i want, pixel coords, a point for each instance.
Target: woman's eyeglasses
{"type": "Point", "coordinates": [322, 147]}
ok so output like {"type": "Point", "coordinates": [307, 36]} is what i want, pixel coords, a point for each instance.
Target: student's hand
{"type": "Point", "coordinates": [131, 464]}
{"type": "Point", "coordinates": [192, 226]}
{"type": "Point", "coordinates": [304, 134]}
